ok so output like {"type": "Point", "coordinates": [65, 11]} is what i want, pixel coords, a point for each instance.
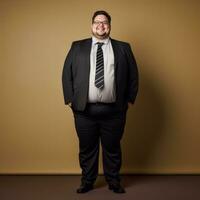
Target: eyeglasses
{"type": "Point", "coordinates": [98, 23]}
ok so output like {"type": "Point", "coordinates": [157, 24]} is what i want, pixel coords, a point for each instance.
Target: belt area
{"type": "Point", "coordinates": [101, 104]}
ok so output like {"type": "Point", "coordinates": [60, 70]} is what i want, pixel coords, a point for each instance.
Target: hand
{"type": "Point", "coordinates": [69, 104]}
{"type": "Point", "coordinates": [130, 105]}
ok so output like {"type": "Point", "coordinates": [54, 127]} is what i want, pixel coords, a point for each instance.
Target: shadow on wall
{"type": "Point", "coordinates": [144, 126]}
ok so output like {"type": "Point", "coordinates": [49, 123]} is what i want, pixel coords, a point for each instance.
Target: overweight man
{"type": "Point", "coordinates": [100, 83]}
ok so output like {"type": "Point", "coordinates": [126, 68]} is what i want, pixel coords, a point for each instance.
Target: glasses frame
{"type": "Point", "coordinates": [105, 23]}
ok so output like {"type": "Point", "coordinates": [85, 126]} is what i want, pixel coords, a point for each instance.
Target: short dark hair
{"type": "Point", "coordinates": [101, 12]}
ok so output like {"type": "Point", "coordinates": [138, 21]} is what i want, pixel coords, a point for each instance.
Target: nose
{"type": "Point", "coordinates": [101, 24]}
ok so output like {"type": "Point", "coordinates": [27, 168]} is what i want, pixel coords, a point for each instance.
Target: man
{"type": "Point", "coordinates": [100, 79]}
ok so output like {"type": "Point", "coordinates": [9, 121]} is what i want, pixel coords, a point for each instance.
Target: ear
{"type": "Point", "coordinates": [110, 27]}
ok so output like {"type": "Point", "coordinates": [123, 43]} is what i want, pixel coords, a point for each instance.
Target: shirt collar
{"type": "Point", "coordinates": [95, 40]}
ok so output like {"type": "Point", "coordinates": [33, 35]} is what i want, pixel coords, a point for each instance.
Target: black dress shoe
{"type": "Point", "coordinates": [84, 188]}
{"type": "Point", "coordinates": [116, 187]}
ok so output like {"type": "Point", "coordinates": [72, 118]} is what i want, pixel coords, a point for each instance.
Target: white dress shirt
{"type": "Point", "coordinates": [107, 94]}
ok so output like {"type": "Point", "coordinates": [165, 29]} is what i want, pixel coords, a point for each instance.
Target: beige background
{"type": "Point", "coordinates": [37, 133]}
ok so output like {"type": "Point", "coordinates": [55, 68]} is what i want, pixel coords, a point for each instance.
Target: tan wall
{"type": "Point", "coordinates": [37, 133]}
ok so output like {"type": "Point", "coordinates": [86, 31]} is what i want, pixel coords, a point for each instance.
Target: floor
{"type": "Point", "coordinates": [63, 187]}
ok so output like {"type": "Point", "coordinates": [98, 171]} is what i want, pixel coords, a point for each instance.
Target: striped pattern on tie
{"type": "Point", "coordinates": [99, 76]}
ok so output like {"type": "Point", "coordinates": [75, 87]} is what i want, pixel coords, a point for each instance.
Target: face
{"type": "Point", "coordinates": [101, 27]}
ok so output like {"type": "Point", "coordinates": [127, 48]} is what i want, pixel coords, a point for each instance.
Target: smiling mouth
{"type": "Point", "coordinates": [101, 34]}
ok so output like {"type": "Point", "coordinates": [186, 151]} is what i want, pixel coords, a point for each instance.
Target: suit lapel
{"type": "Point", "coordinates": [86, 49]}
{"type": "Point", "coordinates": [115, 51]}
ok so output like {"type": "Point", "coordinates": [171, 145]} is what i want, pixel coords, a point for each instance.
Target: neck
{"type": "Point", "coordinates": [101, 38]}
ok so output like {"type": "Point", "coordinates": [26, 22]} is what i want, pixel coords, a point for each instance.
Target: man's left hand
{"type": "Point", "coordinates": [130, 105]}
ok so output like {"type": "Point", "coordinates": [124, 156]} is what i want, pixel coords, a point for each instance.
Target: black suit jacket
{"type": "Point", "coordinates": [75, 76]}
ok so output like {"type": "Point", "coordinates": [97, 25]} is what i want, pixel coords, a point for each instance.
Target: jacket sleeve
{"type": "Point", "coordinates": [67, 79]}
{"type": "Point", "coordinates": [133, 76]}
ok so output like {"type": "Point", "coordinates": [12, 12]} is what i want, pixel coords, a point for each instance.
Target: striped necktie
{"type": "Point", "coordinates": [99, 76]}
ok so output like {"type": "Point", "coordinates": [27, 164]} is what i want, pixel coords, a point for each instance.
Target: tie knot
{"type": "Point", "coordinates": [100, 44]}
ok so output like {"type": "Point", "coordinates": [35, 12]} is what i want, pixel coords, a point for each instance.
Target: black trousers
{"type": "Point", "coordinates": [100, 122]}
